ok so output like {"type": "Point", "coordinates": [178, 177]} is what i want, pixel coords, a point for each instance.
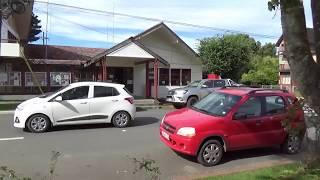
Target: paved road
{"type": "Point", "coordinates": [104, 152]}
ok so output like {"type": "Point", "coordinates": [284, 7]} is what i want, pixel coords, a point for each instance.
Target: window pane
{"type": "Point", "coordinates": [218, 104]}
{"type": "Point", "coordinates": [186, 76]}
{"type": "Point", "coordinates": [41, 77]}
{"type": "Point", "coordinates": [60, 78]}
{"type": "Point", "coordinates": [252, 107]}
{"type": "Point", "coordinates": [76, 93]}
{"type": "Point", "coordinates": [102, 91]}
{"type": "Point", "coordinates": [209, 84]}
{"type": "Point", "coordinates": [175, 77]}
{"type": "Point", "coordinates": [274, 105]}
{"type": "Point", "coordinates": [10, 78]}
{"type": "Point", "coordinates": [219, 83]}
{"type": "Point", "coordinates": [163, 77]}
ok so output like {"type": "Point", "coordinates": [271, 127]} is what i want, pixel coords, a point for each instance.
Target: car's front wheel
{"type": "Point", "coordinates": [38, 123]}
{"type": "Point", "coordinates": [191, 101]}
{"type": "Point", "coordinates": [210, 153]}
{"type": "Point", "coordinates": [292, 144]}
{"type": "Point", "coordinates": [121, 119]}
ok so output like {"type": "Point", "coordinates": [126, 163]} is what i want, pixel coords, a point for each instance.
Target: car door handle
{"type": "Point", "coordinates": [83, 102]}
{"type": "Point", "coordinates": [115, 100]}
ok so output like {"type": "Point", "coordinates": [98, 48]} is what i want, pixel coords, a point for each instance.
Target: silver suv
{"type": "Point", "coordinates": [189, 95]}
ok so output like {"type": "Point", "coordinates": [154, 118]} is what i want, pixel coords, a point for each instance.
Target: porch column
{"type": "Point", "coordinates": [104, 72]}
{"type": "Point", "coordinates": [155, 78]}
{"type": "Point", "coordinates": [147, 80]}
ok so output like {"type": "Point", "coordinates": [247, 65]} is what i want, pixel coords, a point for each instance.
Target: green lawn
{"type": "Point", "coordinates": [8, 107]}
{"type": "Point", "coordinates": [283, 172]}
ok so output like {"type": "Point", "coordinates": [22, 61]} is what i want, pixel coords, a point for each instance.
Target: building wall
{"type": "Point", "coordinates": [178, 57]}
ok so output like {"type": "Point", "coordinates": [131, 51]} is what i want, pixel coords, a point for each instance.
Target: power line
{"type": "Point", "coordinates": [72, 22]}
{"type": "Point", "coordinates": [109, 13]}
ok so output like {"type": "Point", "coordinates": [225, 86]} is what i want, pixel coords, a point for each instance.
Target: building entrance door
{"type": "Point", "coordinates": [121, 75]}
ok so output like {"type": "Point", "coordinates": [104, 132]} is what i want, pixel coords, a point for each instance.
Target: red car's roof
{"type": "Point", "coordinates": [247, 90]}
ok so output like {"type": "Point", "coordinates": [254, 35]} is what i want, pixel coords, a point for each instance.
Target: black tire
{"type": "Point", "coordinates": [38, 123]}
{"type": "Point", "coordinates": [121, 119]}
{"type": "Point", "coordinates": [292, 144]}
{"type": "Point", "coordinates": [207, 158]}
{"type": "Point", "coordinates": [178, 106]}
{"type": "Point", "coordinates": [192, 100]}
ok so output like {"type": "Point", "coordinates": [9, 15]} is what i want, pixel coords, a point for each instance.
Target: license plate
{"type": "Point", "coordinates": [165, 135]}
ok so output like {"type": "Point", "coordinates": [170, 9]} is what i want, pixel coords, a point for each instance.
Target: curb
{"type": "Point", "coordinates": [6, 112]}
{"type": "Point", "coordinates": [249, 167]}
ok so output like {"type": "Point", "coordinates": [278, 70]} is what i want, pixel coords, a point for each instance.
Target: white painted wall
{"type": "Point", "coordinates": [139, 80]}
{"type": "Point", "coordinates": [177, 56]}
{"type": "Point", "coordinates": [130, 50]}
{"type": "Point", "coordinates": [10, 49]}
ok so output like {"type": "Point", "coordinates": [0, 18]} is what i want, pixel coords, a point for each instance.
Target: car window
{"type": "Point", "coordinates": [251, 108]}
{"type": "Point", "coordinates": [103, 91]}
{"type": "Point", "coordinates": [274, 105]}
{"type": "Point", "coordinates": [76, 93]}
{"type": "Point", "coordinates": [209, 84]}
{"type": "Point", "coordinates": [219, 83]}
{"type": "Point", "coordinates": [217, 104]}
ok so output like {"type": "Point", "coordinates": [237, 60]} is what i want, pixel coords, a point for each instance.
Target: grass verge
{"type": "Point", "coordinates": [284, 172]}
{"type": "Point", "coordinates": [8, 107]}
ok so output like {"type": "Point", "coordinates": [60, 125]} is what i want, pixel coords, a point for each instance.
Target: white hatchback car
{"type": "Point", "coordinates": [77, 103]}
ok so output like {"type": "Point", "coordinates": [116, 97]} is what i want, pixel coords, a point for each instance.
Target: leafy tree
{"type": "Point", "coordinates": [263, 71]}
{"type": "Point", "coordinates": [305, 70]}
{"type": "Point", "coordinates": [269, 49]}
{"type": "Point", "coordinates": [35, 29]}
{"type": "Point", "coordinates": [228, 55]}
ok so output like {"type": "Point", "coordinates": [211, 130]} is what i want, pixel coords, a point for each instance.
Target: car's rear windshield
{"type": "Point", "coordinates": [217, 104]}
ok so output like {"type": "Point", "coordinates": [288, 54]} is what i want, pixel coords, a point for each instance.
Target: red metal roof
{"type": "Point", "coordinates": [61, 53]}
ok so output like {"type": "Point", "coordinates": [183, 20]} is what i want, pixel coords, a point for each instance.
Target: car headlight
{"type": "Point", "coordinates": [187, 131]}
{"type": "Point", "coordinates": [185, 91]}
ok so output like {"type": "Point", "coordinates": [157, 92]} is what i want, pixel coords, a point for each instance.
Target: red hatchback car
{"type": "Point", "coordinates": [232, 119]}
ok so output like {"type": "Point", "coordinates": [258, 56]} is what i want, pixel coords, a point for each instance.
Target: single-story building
{"type": "Point", "coordinates": [149, 64]}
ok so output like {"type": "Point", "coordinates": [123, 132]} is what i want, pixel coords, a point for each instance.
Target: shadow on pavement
{"type": "Point", "coordinates": [139, 121]}
{"type": "Point", "coordinates": [250, 153]}
{"type": "Point", "coordinates": [142, 121]}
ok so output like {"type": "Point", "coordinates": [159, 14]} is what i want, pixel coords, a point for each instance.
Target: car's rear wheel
{"type": "Point", "coordinates": [38, 123]}
{"type": "Point", "coordinates": [191, 101]}
{"type": "Point", "coordinates": [121, 119]}
{"type": "Point", "coordinates": [210, 153]}
{"type": "Point", "coordinates": [292, 144]}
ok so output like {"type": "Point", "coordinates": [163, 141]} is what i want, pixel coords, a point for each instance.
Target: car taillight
{"type": "Point", "coordinates": [130, 99]}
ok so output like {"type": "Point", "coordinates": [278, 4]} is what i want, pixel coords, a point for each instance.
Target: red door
{"type": "Point", "coordinates": [247, 124]}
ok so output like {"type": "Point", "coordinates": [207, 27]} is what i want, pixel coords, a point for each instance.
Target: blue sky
{"type": "Point", "coordinates": [67, 26]}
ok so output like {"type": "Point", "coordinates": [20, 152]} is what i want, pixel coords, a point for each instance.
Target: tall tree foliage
{"type": "Point", "coordinates": [228, 55]}
{"type": "Point", "coordinates": [263, 71]}
{"type": "Point", "coordinates": [35, 29]}
{"type": "Point", "coordinates": [305, 70]}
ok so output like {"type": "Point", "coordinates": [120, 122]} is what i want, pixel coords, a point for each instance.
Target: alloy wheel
{"type": "Point", "coordinates": [38, 124]}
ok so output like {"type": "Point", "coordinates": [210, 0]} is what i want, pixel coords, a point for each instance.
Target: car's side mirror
{"type": "Point", "coordinates": [58, 99]}
{"type": "Point", "coordinates": [240, 115]}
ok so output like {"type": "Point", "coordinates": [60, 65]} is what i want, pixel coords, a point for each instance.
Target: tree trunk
{"type": "Point", "coordinates": [315, 7]}
{"type": "Point", "coordinates": [304, 70]}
